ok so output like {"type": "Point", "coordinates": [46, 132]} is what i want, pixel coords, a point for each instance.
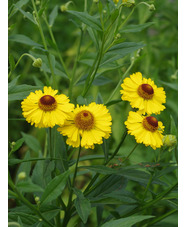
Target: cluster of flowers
{"type": "Point", "coordinates": [88, 125]}
{"type": "Point", "coordinates": [83, 125]}
{"type": "Point", "coordinates": [144, 95]}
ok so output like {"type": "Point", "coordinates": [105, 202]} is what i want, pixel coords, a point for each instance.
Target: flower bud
{"type": "Point", "coordinates": [37, 63]}
{"type": "Point", "coordinates": [95, 1]}
{"type": "Point", "coordinates": [169, 141]}
{"type": "Point", "coordinates": [64, 8]}
{"type": "Point", "coordinates": [104, 11]}
{"type": "Point", "coordinates": [118, 36]}
{"type": "Point", "coordinates": [37, 2]}
{"type": "Point", "coordinates": [152, 7]}
{"type": "Point", "coordinates": [37, 199]}
{"type": "Point", "coordinates": [21, 176]}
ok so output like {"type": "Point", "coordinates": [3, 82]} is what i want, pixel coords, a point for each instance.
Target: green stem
{"type": "Point", "coordinates": [130, 153]}
{"type": "Point", "coordinates": [147, 188]}
{"type": "Point", "coordinates": [69, 206]}
{"type": "Point", "coordinates": [130, 14]}
{"type": "Point", "coordinates": [91, 76]}
{"type": "Point", "coordinates": [161, 217]}
{"type": "Point", "coordinates": [119, 83]}
{"type": "Point", "coordinates": [152, 202]}
{"type": "Point", "coordinates": [56, 46]}
{"type": "Point", "coordinates": [44, 44]}
{"type": "Point", "coordinates": [112, 156]}
{"type": "Point", "coordinates": [75, 66]}
{"type": "Point", "coordinates": [25, 54]}
{"type": "Point", "coordinates": [27, 203]}
{"type": "Point", "coordinates": [117, 148]}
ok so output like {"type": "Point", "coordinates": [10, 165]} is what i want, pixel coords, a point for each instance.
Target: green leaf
{"type": "Point", "coordinates": [11, 62]}
{"type": "Point", "coordinates": [82, 205]}
{"type": "Point", "coordinates": [31, 142]}
{"type": "Point", "coordinates": [173, 128]}
{"type": "Point", "coordinates": [173, 86]}
{"type": "Point", "coordinates": [125, 48]}
{"type": "Point", "coordinates": [18, 144]}
{"type": "Point", "coordinates": [87, 19]}
{"type": "Point", "coordinates": [93, 35]}
{"type": "Point", "coordinates": [130, 174]}
{"type": "Point", "coordinates": [127, 222]}
{"type": "Point", "coordinates": [53, 15]}
{"type": "Point", "coordinates": [12, 83]}
{"type": "Point", "coordinates": [28, 186]}
{"type": "Point", "coordinates": [27, 219]}
{"type": "Point", "coordinates": [20, 92]}
{"type": "Point", "coordinates": [135, 28]}
{"type": "Point", "coordinates": [28, 15]}
{"type": "Point", "coordinates": [24, 167]}
{"type": "Point", "coordinates": [101, 80]}
{"type": "Point", "coordinates": [84, 101]}
{"type": "Point", "coordinates": [23, 39]}
{"type": "Point", "coordinates": [55, 188]}
{"type": "Point", "coordinates": [113, 102]}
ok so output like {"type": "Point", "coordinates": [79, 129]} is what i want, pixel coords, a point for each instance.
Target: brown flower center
{"type": "Point", "coordinates": [84, 120]}
{"type": "Point", "coordinates": [150, 123]}
{"type": "Point", "coordinates": [47, 103]}
{"type": "Point", "coordinates": [145, 91]}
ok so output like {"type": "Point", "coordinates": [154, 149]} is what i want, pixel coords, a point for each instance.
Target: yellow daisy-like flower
{"type": "Point", "coordinates": [46, 109]}
{"type": "Point", "coordinates": [146, 129]}
{"type": "Point", "coordinates": [142, 93]}
{"type": "Point", "coordinates": [91, 123]}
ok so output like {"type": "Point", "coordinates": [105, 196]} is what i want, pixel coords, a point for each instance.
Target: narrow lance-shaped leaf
{"type": "Point", "coordinates": [53, 15]}
{"type": "Point", "coordinates": [127, 222]}
{"type": "Point", "coordinates": [135, 27]}
{"type": "Point", "coordinates": [23, 39]}
{"type": "Point", "coordinates": [87, 19]}
{"type": "Point", "coordinates": [55, 188]}
{"type": "Point", "coordinates": [82, 205]}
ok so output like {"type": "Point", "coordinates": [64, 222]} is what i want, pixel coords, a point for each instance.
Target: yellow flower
{"type": "Point", "coordinates": [146, 129]}
{"type": "Point", "coordinates": [92, 123]}
{"type": "Point", "coordinates": [143, 94]}
{"type": "Point", "coordinates": [46, 109]}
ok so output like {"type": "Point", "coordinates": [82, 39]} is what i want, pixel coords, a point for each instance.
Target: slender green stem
{"type": "Point", "coordinates": [56, 46]}
{"type": "Point", "coordinates": [130, 14]}
{"type": "Point", "coordinates": [152, 202]}
{"type": "Point", "coordinates": [119, 83]}
{"type": "Point", "coordinates": [75, 66]}
{"type": "Point", "coordinates": [69, 206]}
{"type": "Point", "coordinates": [130, 153]}
{"type": "Point", "coordinates": [44, 43]}
{"type": "Point", "coordinates": [27, 203]}
{"type": "Point", "coordinates": [147, 188]}
{"type": "Point", "coordinates": [91, 76]}
{"type": "Point", "coordinates": [155, 220]}
{"type": "Point", "coordinates": [25, 54]}
{"type": "Point", "coordinates": [112, 156]}
{"type": "Point", "coordinates": [117, 148]}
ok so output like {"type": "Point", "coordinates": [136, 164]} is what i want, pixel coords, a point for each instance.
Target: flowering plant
{"type": "Point", "coordinates": [97, 114]}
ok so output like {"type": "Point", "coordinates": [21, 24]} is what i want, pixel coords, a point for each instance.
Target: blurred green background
{"type": "Point", "coordinates": [158, 60]}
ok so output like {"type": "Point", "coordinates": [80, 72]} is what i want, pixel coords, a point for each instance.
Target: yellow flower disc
{"type": "Point", "coordinates": [87, 125]}
{"type": "Point", "coordinates": [46, 109]}
{"type": "Point", "coordinates": [143, 94]}
{"type": "Point", "coordinates": [147, 130]}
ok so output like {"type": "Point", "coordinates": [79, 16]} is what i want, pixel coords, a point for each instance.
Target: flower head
{"type": "Point", "coordinates": [169, 141]}
{"type": "Point", "coordinates": [46, 109]}
{"type": "Point", "coordinates": [143, 94]}
{"type": "Point", "coordinates": [91, 123]}
{"type": "Point", "coordinates": [146, 129]}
